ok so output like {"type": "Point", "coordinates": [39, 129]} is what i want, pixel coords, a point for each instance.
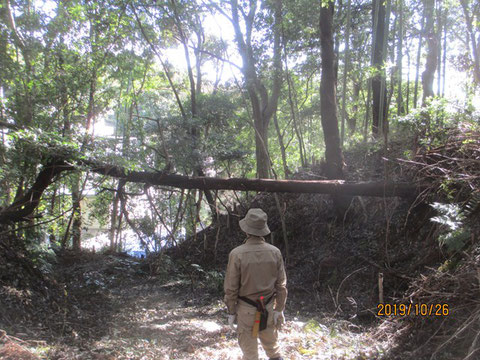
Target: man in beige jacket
{"type": "Point", "coordinates": [255, 269]}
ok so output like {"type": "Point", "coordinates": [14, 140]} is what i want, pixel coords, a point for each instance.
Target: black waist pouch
{"type": "Point", "coordinates": [263, 320]}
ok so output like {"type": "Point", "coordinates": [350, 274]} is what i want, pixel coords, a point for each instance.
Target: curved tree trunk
{"type": "Point", "coordinates": [263, 104]}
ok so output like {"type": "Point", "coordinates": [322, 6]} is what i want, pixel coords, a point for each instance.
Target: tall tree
{"type": "Point", "coordinates": [345, 70]}
{"type": "Point", "coordinates": [328, 102]}
{"type": "Point", "coordinates": [399, 67]}
{"type": "Point", "coordinates": [379, 95]}
{"type": "Point", "coordinates": [264, 104]}
{"type": "Point", "coordinates": [419, 53]}
{"type": "Point", "coordinates": [471, 12]}
{"type": "Point", "coordinates": [432, 51]}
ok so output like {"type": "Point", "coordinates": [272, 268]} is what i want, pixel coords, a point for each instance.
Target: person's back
{"type": "Point", "coordinates": [260, 265]}
{"type": "Point", "coordinates": [255, 271]}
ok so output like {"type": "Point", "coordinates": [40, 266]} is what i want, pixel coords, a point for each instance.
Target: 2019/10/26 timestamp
{"type": "Point", "coordinates": [412, 309]}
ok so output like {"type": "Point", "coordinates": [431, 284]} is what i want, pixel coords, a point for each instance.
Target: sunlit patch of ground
{"type": "Point", "coordinates": [160, 327]}
{"type": "Point", "coordinates": [148, 320]}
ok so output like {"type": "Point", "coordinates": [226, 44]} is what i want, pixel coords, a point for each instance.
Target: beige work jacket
{"type": "Point", "coordinates": [255, 269]}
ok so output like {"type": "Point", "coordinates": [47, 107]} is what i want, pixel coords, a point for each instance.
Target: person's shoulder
{"type": "Point", "coordinates": [237, 249]}
{"type": "Point", "coordinates": [272, 247]}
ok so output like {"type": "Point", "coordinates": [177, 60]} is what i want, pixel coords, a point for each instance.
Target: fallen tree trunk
{"type": "Point", "coordinates": [387, 189]}
{"type": "Point", "coordinates": [24, 207]}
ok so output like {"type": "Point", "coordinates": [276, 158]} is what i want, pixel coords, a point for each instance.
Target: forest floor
{"type": "Point", "coordinates": [114, 310]}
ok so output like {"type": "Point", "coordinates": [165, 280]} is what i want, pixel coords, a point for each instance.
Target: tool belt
{"type": "Point", "coordinates": [261, 315]}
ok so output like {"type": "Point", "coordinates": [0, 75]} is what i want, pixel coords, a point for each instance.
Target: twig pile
{"type": "Point", "coordinates": [454, 333]}
{"type": "Point", "coordinates": [12, 348]}
{"type": "Point", "coordinates": [452, 168]}
{"type": "Point", "coordinates": [452, 172]}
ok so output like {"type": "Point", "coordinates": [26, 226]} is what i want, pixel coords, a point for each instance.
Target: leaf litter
{"type": "Point", "coordinates": [116, 310]}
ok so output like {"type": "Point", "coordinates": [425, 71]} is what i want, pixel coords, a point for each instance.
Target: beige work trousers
{"type": "Point", "coordinates": [248, 343]}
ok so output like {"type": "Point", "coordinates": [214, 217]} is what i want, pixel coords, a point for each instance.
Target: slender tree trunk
{"type": "Point", "coordinates": [345, 72]}
{"type": "Point", "coordinates": [400, 103]}
{"type": "Point", "coordinates": [379, 94]}
{"type": "Point", "coordinates": [293, 104]}
{"type": "Point", "coordinates": [393, 71]}
{"type": "Point", "coordinates": [417, 67]}
{"type": "Point", "coordinates": [367, 110]}
{"type": "Point", "coordinates": [114, 215]}
{"type": "Point", "coordinates": [444, 60]}
{"type": "Point", "coordinates": [282, 146]}
{"type": "Point", "coordinates": [407, 102]}
{"type": "Point", "coordinates": [432, 51]}
{"type": "Point", "coordinates": [352, 120]}
{"type": "Point", "coordinates": [384, 105]}
{"type": "Point", "coordinates": [191, 214]}
{"type": "Point", "coordinates": [439, 42]}
{"type": "Point", "coordinates": [474, 43]}
{"type": "Point", "coordinates": [77, 213]}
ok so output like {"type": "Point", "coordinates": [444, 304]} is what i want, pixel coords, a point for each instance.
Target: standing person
{"type": "Point", "coordinates": [256, 280]}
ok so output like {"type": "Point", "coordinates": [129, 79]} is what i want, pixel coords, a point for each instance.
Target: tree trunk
{"type": "Point", "coordinates": [475, 47]}
{"type": "Point", "coordinates": [417, 67]}
{"type": "Point", "coordinates": [333, 151]}
{"type": "Point", "coordinates": [345, 71]}
{"type": "Point", "coordinates": [263, 104]}
{"type": "Point", "coordinates": [378, 81]}
{"type": "Point", "coordinates": [282, 146]}
{"type": "Point", "coordinates": [352, 120]}
{"type": "Point", "coordinates": [195, 91]}
{"type": "Point", "coordinates": [21, 209]}
{"type": "Point", "coordinates": [400, 103]}
{"type": "Point", "coordinates": [292, 100]}
{"type": "Point", "coordinates": [114, 215]}
{"type": "Point", "coordinates": [438, 13]}
{"type": "Point", "coordinates": [432, 51]}
{"type": "Point", "coordinates": [444, 60]}
{"type": "Point", "coordinates": [77, 214]}
{"type": "Point", "coordinates": [407, 101]}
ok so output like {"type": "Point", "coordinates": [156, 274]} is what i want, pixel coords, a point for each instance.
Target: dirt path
{"type": "Point", "coordinates": [122, 314]}
{"type": "Point", "coordinates": [157, 326]}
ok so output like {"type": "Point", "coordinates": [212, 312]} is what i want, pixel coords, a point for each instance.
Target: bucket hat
{"type": "Point", "coordinates": [255, 223]}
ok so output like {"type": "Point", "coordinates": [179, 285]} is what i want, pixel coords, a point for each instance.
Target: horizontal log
{"type": "Point", "coordinates": [382, 189]}
{"type": "Point", "coordinates": [22, 208]}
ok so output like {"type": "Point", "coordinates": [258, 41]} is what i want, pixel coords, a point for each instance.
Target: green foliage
{"type": "Point", "coordinates": [456, 233]}
{"type": "Point", "coordinates": [42, 256]}
{"type": "Point", "coordinates": [44, 144]}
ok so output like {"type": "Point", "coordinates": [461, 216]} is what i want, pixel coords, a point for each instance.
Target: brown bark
{"type": "Point", "coordinates": [289, 186]}
{"type": "Point", "coordinates": [379, 97]}
{"type": "Point", "coordinates": [333, 151]}
{"type": "Point", "coordinates": [24, 207]}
